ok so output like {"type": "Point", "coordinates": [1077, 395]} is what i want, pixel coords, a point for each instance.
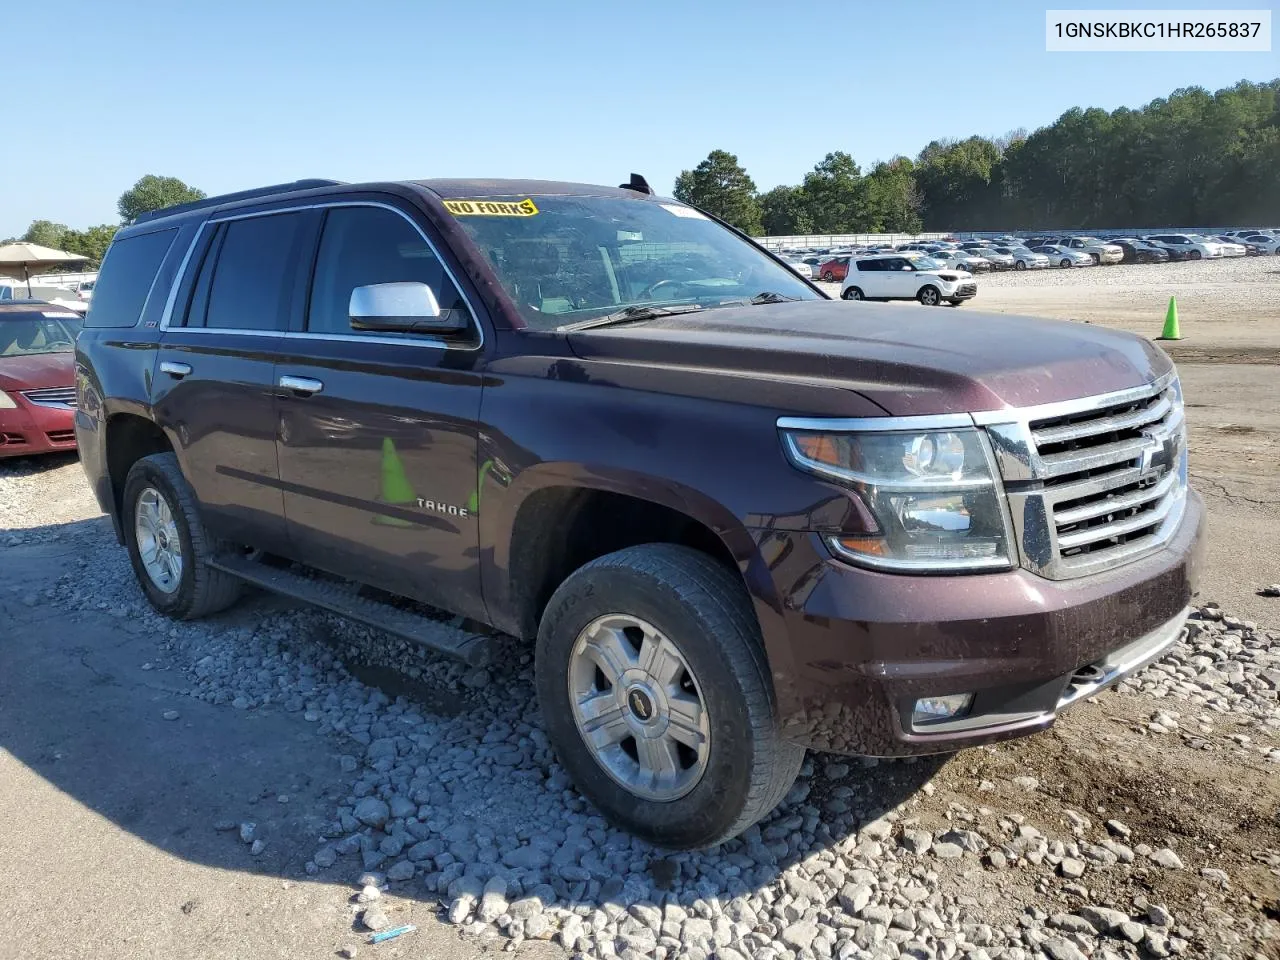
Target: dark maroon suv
{"type": "Point", "coordinates": [736, 518]}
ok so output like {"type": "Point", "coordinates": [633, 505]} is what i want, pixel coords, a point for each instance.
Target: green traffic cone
{"type": "Point", "coordinates": [395, 486]}
{"type": "Point", "coordinates": [1171, 331]}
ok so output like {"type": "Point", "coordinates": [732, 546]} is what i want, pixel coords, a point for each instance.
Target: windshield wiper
{"type": "Point", "coordinates": [770, 297]}
{"type": "Point", "coordinates": [630, 314]}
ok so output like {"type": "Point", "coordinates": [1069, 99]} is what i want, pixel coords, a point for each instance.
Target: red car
{"type": "Point", "coordinates": [37, 377]}
{"type": "Point", "coordinates": [833, 269]}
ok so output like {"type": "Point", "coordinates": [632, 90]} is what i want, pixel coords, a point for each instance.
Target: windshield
{"type": "Point", "coordinates": [926, 263]}
{"type": "Point", "coordinates": [567, 259]}
{"type": "Point", "coordinates": [30, 335]}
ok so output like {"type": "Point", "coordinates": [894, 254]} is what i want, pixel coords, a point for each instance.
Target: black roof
{"type": "Point", "coordinates": [450, 188]}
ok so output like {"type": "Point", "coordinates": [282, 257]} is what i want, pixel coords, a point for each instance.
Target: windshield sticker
{"type": "Point", "coordinates": [491, 208]}
{"type": "Point", "coordinates": [680, 211]}
{"type": "Point", "coordinates": [63, 315]}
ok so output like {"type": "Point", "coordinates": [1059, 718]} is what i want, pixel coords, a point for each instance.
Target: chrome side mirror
{"type": "Point", "coordinates": [402, 307]}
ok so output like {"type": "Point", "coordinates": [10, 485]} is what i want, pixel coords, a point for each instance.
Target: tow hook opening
{"type": "Point", "coordinates": [1089, 673]}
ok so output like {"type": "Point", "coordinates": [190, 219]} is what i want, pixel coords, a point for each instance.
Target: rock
{"type": "Point", "coordinates": [996, 859]}
{"type": "Point", "coordinates": [368, 894]}
{"type": "Point", "coordinates": [1059, 949]}
{"type": "Point", "coordinates": [1158, 916]}
{"type": "Point", "coordinates": [1166, 858]}
{"type": "Point", "coordinates": [372, 812]}
{"type": "Point", "coordinates": [460, 908]}
{"type": "Point", "coordinates": [526, 858]}
{"type": "Point", "coordinates": [967, 840]}
{"type": "Point", "coordinates": [375, 919]}
{"type": "Point", "coordinates": [1117, 829]}
{"type": "Point", "coordinates": [854, 896]}
{"type": "Point", "coordinates": [1217, 876]}
{"type": "Point", "coordinates": [1071, 923]}
{"type": "Point", "coordinates": [170, 715]}
{"type": "Point", "coordinates": [256, 848]}
{"type": "Point", "coordinates": [1026, 783]}
{"type": "Point", "coordinates": [801, 887]}
{"type": "Point", "coordinates": [916, 841]}
{"type": "Point", "coordinates": [348, 952]}
{"type": "Point", "coordinates": [1131, 931]}
{"type": "Point", "coordinates": [948, 851]}
{"type": "Point", "coordinates": [1071, 868]}
{"type": "Point", "coordinates": [1270, 591]}
{"type": "Point", "coordinates": [400, 870]}
{"type": "Point", "coordinates": [1103, 919]}
{"type": "Point", "coordinates": [525, 907]}
{"type": "Point", "coordinates": [247, 832]}
{"type": "Point", "coordinates": [800, 935]}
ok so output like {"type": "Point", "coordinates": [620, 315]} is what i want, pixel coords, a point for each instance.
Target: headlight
{"type": "Point", "coordinates": [6, 401]}
{"type": "Point", "coordinates": [933, 495]}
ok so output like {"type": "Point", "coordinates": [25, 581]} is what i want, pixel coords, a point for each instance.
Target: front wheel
{"type": "Point", "coordinates": [656, 694]}
{"type": "Point", "coordinates": [167, 542]}
{"type": "Point", "coordinates": [1097, 260]}
{"type": "Point", "coordinates": [851, 293]}
{"type": "Point", "coordinates": [1020, 265]}
{"type": "Point", "coordinates": [1065, 264]}
{"type": "Point", "coordinates": [929, 296]}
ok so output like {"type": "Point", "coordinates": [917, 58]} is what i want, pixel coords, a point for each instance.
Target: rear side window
{"type": "Point", "coordinates": [128, 273]}
{"type": "Point", "coordinates": [366, 245]}
{"type": "Point", "coordinates": [252, 275]}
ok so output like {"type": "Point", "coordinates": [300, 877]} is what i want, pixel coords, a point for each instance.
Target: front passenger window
{"type": "Point", "coordinates": [366, 245]}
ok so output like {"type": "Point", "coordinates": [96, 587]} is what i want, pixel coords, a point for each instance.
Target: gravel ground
{"type": "Point", "coordinates": [1146, 824]}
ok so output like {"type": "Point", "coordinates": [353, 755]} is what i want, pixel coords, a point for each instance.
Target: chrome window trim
{"type": "Point", "coordinates": [433, 343]}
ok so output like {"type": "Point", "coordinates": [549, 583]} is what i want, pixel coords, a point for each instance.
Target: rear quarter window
{"type": "Point", "coordinates": [126, 278]}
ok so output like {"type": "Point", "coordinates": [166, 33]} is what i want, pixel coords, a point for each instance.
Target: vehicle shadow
{"type": "Point", "coordinates": [26, 466]}
{"type": "Point", "coordinates": [101, 699]}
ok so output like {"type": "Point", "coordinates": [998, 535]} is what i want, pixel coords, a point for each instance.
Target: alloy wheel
{"type": "Point", "coordinates": [159, 543]}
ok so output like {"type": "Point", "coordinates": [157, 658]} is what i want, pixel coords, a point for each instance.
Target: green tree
{"type": "Point", "coordinates": [720, 186]}
{"type": "Point", "coordinates": [91, 243]}
{"type": "Point", "coordinates": [836, 196]}
{"type": "Point", "coordinates": [784, 212]}
{"type": "Point", "coordinates": [153, 193]}
{"type": "Point", "coordinates": [893, 198]}
{"type": "Point", "coordinates": [46, 233]}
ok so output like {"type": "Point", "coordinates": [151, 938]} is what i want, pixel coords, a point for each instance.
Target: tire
{"type": "Point", "coordinates": [1195, 254]}
{"type": "Point", "coordinates": [198, 590]}
{"type": "Point", "coordinates": [929, 295]}
{"type": "Point", "coordinates": [1097, 260]}
{"type": "Point", "coordinates": [703, 611]}
{"type": "Point", "coordinates": [1065, 264]}
{"type": "Point", "coordinates": [1020, 265]}
{"type": "Point", "coordinates": [829, 277]}
{"type": "Point", "coordinates": [851, 293]}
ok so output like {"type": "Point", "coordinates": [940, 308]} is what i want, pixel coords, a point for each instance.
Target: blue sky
{"type": "Point", "coordinates": [232, 94]}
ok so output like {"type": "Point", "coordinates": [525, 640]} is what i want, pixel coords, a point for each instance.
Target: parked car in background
{"type": "Point", "coordinates": [1098, 249]}
{"type": "Point", "coordinates": [1191, 247]}
{"type": "Point", "coordinates": [833, 270]}
{"type": "Point", "coordinates": [962, 260]}
{"type": "Point", "coordinates": [1023, 259]}
{"type": "Point", "coordinates": [1063, 256]}
{"type": "Point", "coordinates": [1231, 247]}
{"type": "Point", "coordinates": [997, 259]}
{"type": "Point", "coordinates": [62, 297]}
{"type": "Point", "coordinates": [37, 377]}
{"type": "Point", "coordinates": [1267, 243]}
{"type": "Point", "coordinates": [800, 267]}
{"type": "Point", "coordinates": [1141, 251]}
{"type": "Point", "coordinates": [907, 277]}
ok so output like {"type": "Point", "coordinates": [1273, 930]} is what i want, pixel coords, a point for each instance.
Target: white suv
{"type": "Point", "coordinates": [906, 277]}
{"type": "Point", "coordinates": [1098, 250]}
{"type": "Point", "coordinates": [1186, 246]}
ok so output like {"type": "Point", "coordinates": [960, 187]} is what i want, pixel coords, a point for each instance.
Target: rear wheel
{"type": "Point", "coordinates": [1097, 260]}
{"type": "Point", "coordinates": [929, 296]}
{"type": "Point", "coordinates": [1020, 265]}
{"type": "Point", "coordinates": [1065, 263]}
{"type": "Point", "coordinates": [1195, 254]}
{"type": "Point", "coordinates": [168, 545]}
{"type": "Point", "coordinates": [656, 694]}
{"type": "Point", "coordinates": [851, 293]}
{"type": "Point", "coordinates": [828, 276]}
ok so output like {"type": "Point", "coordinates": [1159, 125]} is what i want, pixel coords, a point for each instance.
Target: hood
{"type": "Point", "coordinates": [908, 361]}
{"type": "Point", "coordinates": [38, 370]}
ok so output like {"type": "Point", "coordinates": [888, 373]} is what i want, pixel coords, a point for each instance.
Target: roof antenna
{"type": "Point", "coordinates": [637, 183]}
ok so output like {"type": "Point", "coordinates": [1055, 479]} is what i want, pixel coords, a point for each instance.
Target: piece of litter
{"type": "Point", "coordinates": [391, 934]}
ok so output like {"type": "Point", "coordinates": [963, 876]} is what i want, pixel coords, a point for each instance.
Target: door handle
{"type": "Point", "coordinates": [305, 386]}
{"type": "Point", "coordinates": [175, 369]}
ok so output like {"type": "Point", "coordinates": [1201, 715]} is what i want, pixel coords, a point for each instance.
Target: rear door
{"type": "Point", "coordinates": [378, 431]}
{"type": "Point", "coordinates": [214, 388]}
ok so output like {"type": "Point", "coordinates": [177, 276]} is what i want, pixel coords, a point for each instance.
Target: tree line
{"type": "Point", "coordinates": [1192, 158]}
{"type": "Point", "coordinates": [149, 193]}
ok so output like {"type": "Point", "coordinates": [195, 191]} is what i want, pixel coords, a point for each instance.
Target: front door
{"type": "Point", "coordinates": [377, 432]}
{"type": "Point", "coordinates": [214, 389]}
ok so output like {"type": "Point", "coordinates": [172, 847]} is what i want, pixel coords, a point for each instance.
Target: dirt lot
{"type": "Point", "coordinates": [133, 752]}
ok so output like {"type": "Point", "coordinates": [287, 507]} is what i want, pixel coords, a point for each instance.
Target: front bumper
{"type": "Point", "coordinates": [32, 428]}
{"type": "Point", "coordinates": [853, 649]}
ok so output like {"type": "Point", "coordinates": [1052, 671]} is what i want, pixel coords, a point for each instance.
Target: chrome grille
{"type": "Point", "coordinates": [52, 396]}
{"type": "Point", "coordinates": [1094, 483]}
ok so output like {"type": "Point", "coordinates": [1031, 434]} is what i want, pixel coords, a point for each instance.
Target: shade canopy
{"type": "Point", "coordinates": [20, 259]}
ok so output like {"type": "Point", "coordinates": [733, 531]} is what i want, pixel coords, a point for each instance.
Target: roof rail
{"type": "Point", "coordinates": [233, 197]}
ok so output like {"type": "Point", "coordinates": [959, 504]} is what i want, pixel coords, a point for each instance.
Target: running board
{"type": "Point", "coordinates": [342, 598]}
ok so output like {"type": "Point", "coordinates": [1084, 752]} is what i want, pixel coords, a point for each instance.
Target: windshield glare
{"type": "Point", "coordinates": [926, 263]}
{"type": "Point", "coordinates": [578, 258]}
{"type": "Point", "coordinates": [27, 336]}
